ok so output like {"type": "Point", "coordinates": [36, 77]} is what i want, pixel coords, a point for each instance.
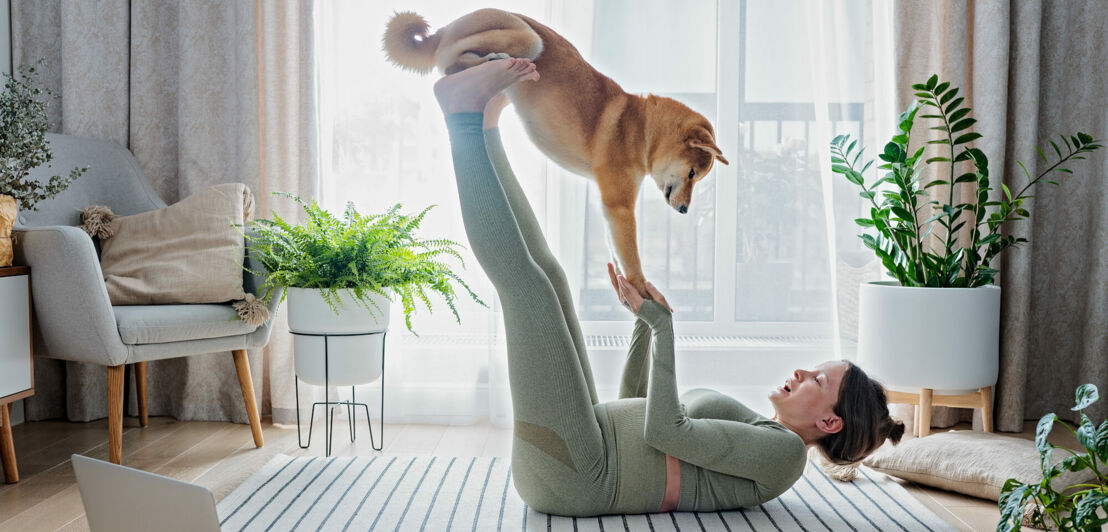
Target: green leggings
{"type": "Point", "coordinates": [571, 455]}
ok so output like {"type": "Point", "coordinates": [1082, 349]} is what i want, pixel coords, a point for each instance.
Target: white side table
{"type": "Point", "coordinates": [16, 362]}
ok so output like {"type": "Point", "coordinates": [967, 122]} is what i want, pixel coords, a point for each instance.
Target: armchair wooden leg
{"type": "Point", "coordinates": [115, 413]}
{"type": "Point", "coordinates": [987, 408]}
{"type": "Point", "coordinates": [247, 385]}
{"type": "Point", "coordinates": [7, 446]}
{"type": "Point", "coordinates": [140, 388]}
{"type": "Point", "coordinates": [925, 411]}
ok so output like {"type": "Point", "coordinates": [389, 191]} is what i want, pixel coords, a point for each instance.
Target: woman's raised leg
{"type": "Point", "coordinates": [550, 395]}
{"type": "Point", "coordinates": [532, 234]}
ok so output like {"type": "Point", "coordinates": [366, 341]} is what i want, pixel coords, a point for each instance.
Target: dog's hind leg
{"type": "Point", "coordinates": [498, 43]}
{"type": "Point", "coordinates": [468, 59]}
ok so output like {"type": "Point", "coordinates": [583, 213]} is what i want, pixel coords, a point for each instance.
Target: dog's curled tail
{"type": "Point", "coordinates": [407, 44]}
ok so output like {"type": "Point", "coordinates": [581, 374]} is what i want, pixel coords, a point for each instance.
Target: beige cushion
{"type": "Point", "coordinates": [188, 252]}
{"type": "Point", "coordinates": [969, 462]}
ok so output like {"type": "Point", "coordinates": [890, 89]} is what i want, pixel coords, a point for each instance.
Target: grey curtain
{"type": "Point", "coordinates": [1031, 70]}
{"type": "Point", "coordinates": [202, 92]}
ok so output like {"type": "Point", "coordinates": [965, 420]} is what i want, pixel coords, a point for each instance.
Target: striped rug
{"type": "Point", "coordinates": [442, 494]}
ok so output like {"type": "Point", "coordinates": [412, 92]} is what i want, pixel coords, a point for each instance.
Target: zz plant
{"type": "Point", "coordinates": [367, 254]}
{"type": "Point", "coordinates": [906, 213]}
{"type": "Point", "coordinates": [1076, 507]}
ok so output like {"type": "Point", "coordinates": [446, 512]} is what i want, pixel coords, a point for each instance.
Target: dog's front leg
{"type": "Point", "coordinates": [618, 193]}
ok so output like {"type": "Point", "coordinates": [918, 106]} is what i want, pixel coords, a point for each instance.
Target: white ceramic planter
{"type": "Point", "coordinates": [945, 339]}
{"type": "Point", "coordinates": [350, 360]}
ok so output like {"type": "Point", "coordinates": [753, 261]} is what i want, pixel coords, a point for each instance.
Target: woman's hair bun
{"type": "Point", "coordinates": [895, 429]}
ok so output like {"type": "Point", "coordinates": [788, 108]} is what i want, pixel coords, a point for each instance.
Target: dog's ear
{"type": "Point", "coordinates": [702, 138]}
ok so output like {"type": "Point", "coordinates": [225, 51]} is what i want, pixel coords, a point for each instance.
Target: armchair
{"type": "Point", "coordinates": [72, 309]}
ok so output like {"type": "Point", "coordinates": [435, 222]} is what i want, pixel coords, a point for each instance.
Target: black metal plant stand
{"type": "Point", "coordinates": [351, 405]}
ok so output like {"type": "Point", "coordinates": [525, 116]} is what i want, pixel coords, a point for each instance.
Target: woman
{"type": "Point", "coordinates": [646, 452]}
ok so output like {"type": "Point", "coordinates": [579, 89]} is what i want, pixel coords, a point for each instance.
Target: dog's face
{"type": "Point", "coordinates": [682, 161]}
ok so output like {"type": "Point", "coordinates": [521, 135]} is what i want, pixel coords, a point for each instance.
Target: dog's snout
{"type": "Point", "coordinates": [683, 209]}
{"type": "Point", "coordinates": [669, 191]}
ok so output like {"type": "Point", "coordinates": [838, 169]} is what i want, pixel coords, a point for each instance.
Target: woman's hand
{"type": "Point", "coordinates": [631, 297]}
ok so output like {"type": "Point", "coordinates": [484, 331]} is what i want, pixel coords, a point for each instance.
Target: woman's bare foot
{"type": "Point", "coordinates": [497, 104]}
{"type": "Point", "coordinates": [471, 89]}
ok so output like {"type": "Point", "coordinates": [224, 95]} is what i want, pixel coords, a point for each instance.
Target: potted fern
{"type": "Point", "coordinates": [937, 325]}
{"type": "Point", "coordinates": [340, 276]}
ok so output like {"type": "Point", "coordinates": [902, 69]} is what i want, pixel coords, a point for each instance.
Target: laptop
{"type": "Point", "coordinates": [123, 499]}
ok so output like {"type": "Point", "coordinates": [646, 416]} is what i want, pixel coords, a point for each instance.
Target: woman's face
{"type": "Point", "coordinates": [808, 397]}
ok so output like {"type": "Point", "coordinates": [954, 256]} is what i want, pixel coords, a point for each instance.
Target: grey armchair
{"type": "Point", "coordinates": [72, 309]}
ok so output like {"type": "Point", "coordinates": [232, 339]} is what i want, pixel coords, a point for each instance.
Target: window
{"type": "Point", "coordinates": [751, 256]}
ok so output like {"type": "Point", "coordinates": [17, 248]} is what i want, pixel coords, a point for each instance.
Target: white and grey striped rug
{"type": "Point", "coordinates": [442, 494]}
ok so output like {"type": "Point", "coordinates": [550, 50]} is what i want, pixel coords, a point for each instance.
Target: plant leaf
{"type": "Point", "coordinates": [1042, 430]}
{"type": "Point", "coordinates": [957, 115]}
{"type": "Point", "coordinates": [946, 97]}
{"type": "Point", "coordinates": [966, 138]}
{"type": "Point", "coordinates": [958, 126]}
{"type": "Point", "coordinates": [1085, 395]}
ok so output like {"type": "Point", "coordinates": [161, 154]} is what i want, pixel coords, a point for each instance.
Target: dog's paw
{"type": "Point", "coordinates": [495, 56]}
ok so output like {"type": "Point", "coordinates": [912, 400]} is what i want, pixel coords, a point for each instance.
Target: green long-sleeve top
{"type": "Point", "coordinates": [730, 456]}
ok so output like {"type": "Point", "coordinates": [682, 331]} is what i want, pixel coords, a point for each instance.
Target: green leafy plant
{"type": "Point", "coordinates": [23, 145]}
{"type": "Point", "coordinates": [367, 254]}
{"type": "Point", "coordinates": [905, 214]}
{"type": "Point", "coordinates": [1076, 507]}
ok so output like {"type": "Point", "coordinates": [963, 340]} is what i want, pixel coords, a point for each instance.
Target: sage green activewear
{"type": "Point", "coordinates": [572, 455]}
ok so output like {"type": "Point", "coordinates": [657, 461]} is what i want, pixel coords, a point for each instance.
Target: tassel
{"type": "Point", "coordinates": [252, 310]}
{"type": "Point", "coordinates": [96, 220]}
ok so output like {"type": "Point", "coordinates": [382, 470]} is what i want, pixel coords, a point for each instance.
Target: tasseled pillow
{"type": "Point", "coordinates": [188, 252]}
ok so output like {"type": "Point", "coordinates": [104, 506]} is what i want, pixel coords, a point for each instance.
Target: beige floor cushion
{"type": "Point", "coordinates": [969, 462]}
{"type": "Point", "coordinates": [188, 252]}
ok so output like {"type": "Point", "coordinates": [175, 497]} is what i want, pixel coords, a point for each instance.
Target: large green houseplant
{"type": "Point", "coordinates": [939, 248]}
{"type": "Point", "coordinates": [1076, 507]}
{"type": "Point", "coordinates": [906, 213]}
{"type": "Point", "coordinates": [357, 255]}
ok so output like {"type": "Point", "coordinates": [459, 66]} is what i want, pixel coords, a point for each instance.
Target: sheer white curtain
{"type": "Point", "coordinates": [764, 267]}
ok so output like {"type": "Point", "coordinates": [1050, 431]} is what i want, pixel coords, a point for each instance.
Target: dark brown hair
{"type": "Point", "coordinates": [866, 421]}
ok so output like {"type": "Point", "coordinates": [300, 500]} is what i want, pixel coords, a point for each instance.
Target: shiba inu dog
{"type": "Point", "coordinates": [577, 116]}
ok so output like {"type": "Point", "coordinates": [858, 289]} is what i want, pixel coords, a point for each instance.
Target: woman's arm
{"type": "Point", "coordinates": [761, 451]}
{"type": "Point", "coordinates": [636, 370]}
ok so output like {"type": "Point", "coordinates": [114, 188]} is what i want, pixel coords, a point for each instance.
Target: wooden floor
{"type": "Point", "coordinates": [221, 455]}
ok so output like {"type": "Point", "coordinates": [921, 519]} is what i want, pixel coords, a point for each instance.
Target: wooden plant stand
{"type": "Point", "coordinates": [982, 398]}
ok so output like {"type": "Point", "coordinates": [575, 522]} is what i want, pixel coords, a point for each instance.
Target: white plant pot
{"type": "Point", "coordinates": [945, 339]}
{"type": "Point", "coordinates": [350, 360]}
